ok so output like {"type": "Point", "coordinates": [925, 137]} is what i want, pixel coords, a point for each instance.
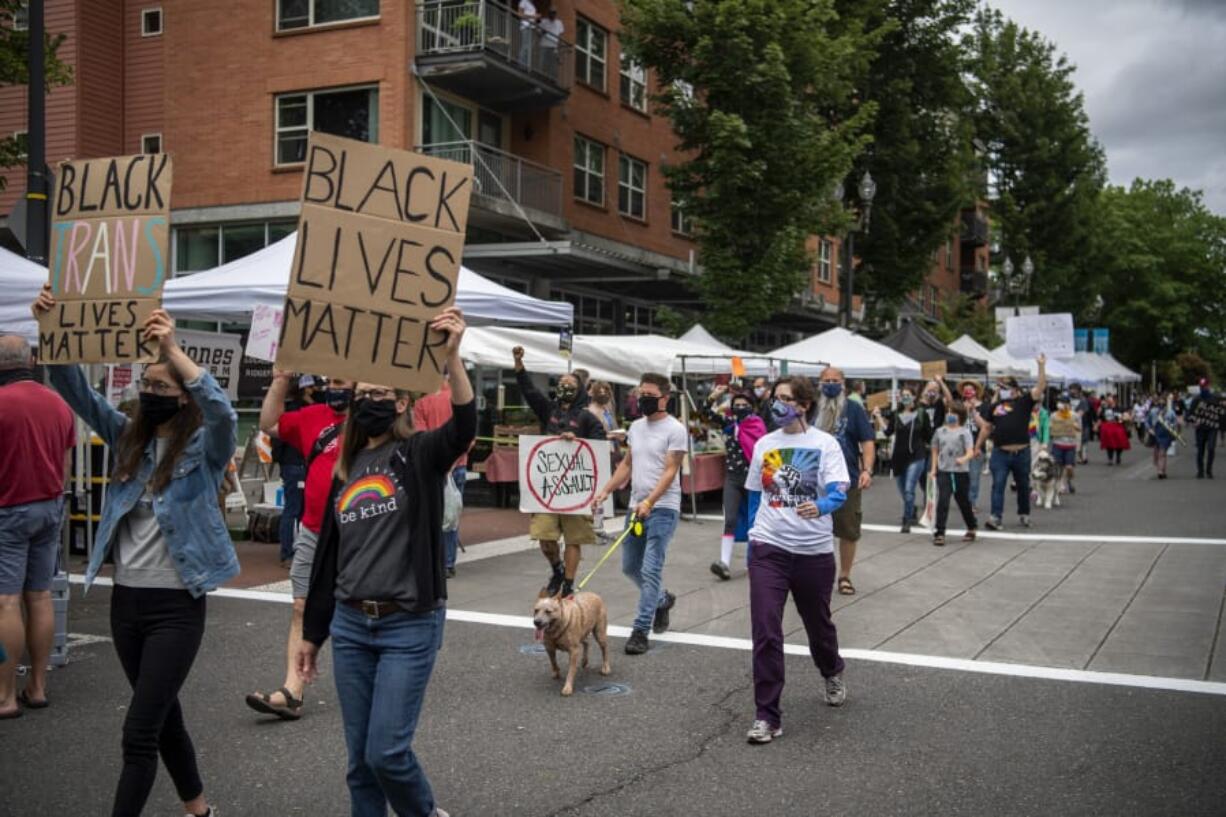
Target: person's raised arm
{"type": "Point", "coordinates": [274, 401]}
{"type": "Point", "coordinates": [538, 402]}
{"type": "Point", "coordinates": [945, 393]}
{"type": "Point", "coordinates": [455, 436]}
{"type": "Point", "coordinates": [1041, 387]}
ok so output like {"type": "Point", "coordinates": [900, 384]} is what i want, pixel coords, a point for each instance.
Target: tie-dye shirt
{"type": "Point", "coordinates": [791, 470]}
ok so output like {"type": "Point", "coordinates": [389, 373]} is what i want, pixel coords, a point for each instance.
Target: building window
{"type": "Point", "coordinates": [151, 143]}
{"type": "Point", "coordinates": [684, 89]}
{"type": "Point", "coordinates": [589, 171]}
{"type": "Point", "coordinates": [351, 112]}
{"type": "Point", "coordinates": [633, 83]}
{"type": "Point", "coordinates": [949, 253]}
{"type": "Point", "coordinates": [199, 248]}
{"type": "Point", "coordinates": [593, 315]}
{"type": "Point", "coordinates": [682, 223]}
{"type": "Point", "coordinates": [21, 142]}
{"type": "Point", "coordinates": [825, 259]}
{"type": "Point", "coordinates": [151, 22]}
{"type": "Point", "coordinates": [631, 187]}
{"type": "Point", "coordinates": [591, 42]}
{"type": "Point", "coordinates": [21, 17]}
{"type": "Point", "coordinates": [293, 14]}
{"type": "Point", "coordinates": [639, 320]}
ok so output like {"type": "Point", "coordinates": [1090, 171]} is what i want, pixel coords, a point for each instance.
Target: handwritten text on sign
{"type": "Point", "coordinates": [109, 254]}
{"type": "Point", "coordinates": [379, 246]}
{"type": "Point", "coordinates": [560, 476]}
{"type": "Point", "coordinates": [1028, 336]}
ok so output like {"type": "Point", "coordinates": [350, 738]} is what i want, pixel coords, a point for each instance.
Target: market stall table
{"type": "Point", "coordinates": [706, 474]}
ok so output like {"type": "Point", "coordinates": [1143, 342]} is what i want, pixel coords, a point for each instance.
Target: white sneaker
{"type": "Point", "coordinates": [761, 732]}
{"type": "Point", "coordinates": [438, 812]}
{"type": "Point", "coordinates": [836, 690]}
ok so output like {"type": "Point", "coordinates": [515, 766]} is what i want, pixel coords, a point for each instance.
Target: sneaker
{"type": "Point", "coordinates": [1024, 521]}
{"type": "Point", "coordinates": [720, 569]}
{"type": "Point", "coordinates": [660, 625]}
{"type": "Point", "coordinates": [836, 690]}
{"type": "Point", "coordinates": [637, 644]}
{"type": "Point", "coordinates": [1071, 488]}
{"type": "Point", "coordinates": [993, 523]}
{"type": "Point", "coordinates": [438, 812]}
{"type": "Point", "coordinates": [906, 526]}
{"type": "Point", "coordinates": [450, 572]}
{"type": "Point", "coordinates": [555, 580]}
{"type": "Point", "coordinates": [763, 732]}
{"type": "Point", "coordinates": [212, 812]}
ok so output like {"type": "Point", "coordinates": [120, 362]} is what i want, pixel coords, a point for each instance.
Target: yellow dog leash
{"type": "Point", "coordinates": [633, 525]}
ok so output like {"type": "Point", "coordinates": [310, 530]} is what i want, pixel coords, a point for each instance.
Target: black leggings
{"type": "Point", "coordinates": [734, 493]}
{"type": "Point", "coordinates": [960, 486]}
{"type": "Point", "coordinates": [157, 634]}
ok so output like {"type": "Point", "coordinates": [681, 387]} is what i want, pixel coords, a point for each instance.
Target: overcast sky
{"type": "Point", "coordinates": [1154, 77]}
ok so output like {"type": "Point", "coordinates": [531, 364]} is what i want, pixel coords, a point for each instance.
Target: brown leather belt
{"type": "Point", "coordinates": [374, 609]}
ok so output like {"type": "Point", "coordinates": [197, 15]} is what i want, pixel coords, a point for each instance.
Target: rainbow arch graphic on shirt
{"type": "Point", "coordinates": [369, 488]}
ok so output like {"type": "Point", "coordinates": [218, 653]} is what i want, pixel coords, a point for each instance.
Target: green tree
{"type": "Point", "coordinates": [1160, 266]}
{"type": "Point", "coordinates": [921, 154]}
{"type": "Point", "coordinates": [14, 70]}
{"type": "Point", "coordinates": [1045, 168]}
{"type": "Point", "coordinates": [759, 94]}
{"type": "Point", "coordinates": [963, 315]}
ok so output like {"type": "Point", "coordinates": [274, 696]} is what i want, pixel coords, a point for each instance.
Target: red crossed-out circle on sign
{"type": "Point", "coordinates": [549, 501]}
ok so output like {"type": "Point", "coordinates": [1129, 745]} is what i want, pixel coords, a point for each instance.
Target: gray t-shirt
{"type": "Point", "coordinates": [952, 443]}
{"type": "Point", "coordinates": [142, 558]}
{"type": "Point", "coordinates": [650, 441]}
{"type": "Point", "coordinates": [372, 515]}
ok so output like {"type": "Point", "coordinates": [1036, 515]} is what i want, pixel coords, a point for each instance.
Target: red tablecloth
{"type": "Point", "coordinates": [706, 474]}
{"type": "Point", "coordinates": [502, 465]}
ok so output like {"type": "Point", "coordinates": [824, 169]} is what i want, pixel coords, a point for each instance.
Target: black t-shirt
{"type": "Point", "coordinates": [1010, 419]}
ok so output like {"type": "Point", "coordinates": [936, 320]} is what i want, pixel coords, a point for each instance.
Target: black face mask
{"type": "Point", "coordinates": [648, 405]}
{"type": "Point", "coordinates": [15, 375]}
{"type": "Point", "coordinates": [338, 399]}
{"type": "Point", "coordinates": [741, 412]}
{"type": "Point", "coordinates": [158, 408]}
{"type": "Point", "coordinates": [374, 417]}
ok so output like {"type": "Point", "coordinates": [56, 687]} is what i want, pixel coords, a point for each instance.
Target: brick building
{"type": "Point", "coordinates": [572, 202]}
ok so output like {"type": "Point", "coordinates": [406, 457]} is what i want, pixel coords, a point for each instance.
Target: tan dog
{"type": "Point", "coordinates": [564, 624]}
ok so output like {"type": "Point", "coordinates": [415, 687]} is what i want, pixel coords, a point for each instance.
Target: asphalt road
{"type": "Point", "coordinates": [497, 739]}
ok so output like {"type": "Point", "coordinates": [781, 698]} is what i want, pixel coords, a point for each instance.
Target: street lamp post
{"type": "Point", "coordinates": [867, 190]}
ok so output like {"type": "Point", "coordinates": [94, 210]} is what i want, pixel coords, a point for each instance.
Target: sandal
{"type": "Point", "coordinates": [25, 700]}
{"type": "Point", "coordinates": [846, 588]}
{"type": "Point", "coordinates": [290, 711]}
{"type": "Point", "coordinates": [969, 536]}
{"type": "Point", "coordinates": [938, 539]}
{"type": "Point", "coordinates": [8, 716]}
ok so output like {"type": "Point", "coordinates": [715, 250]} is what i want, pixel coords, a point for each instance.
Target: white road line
{"type": "Point", "coordinates": [1035, 535]}
{"type": "Point", "coordinates": [745, 645]}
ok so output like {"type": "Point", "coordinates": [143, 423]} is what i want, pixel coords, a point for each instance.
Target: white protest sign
{"type": "Point", "coordinates": [217, 352]}
{"type": "Point", "coordinates": [1028, 336]}
{"type": "Point", "coordinates": [561, 476]}
{"type": "Point", "coordinates": [265, 330]}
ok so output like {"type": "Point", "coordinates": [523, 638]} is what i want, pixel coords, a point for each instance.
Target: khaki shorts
{"type": "Point", "coordinates": [550, 527]}
{"type": "Point", "coordinates": [847, 518]}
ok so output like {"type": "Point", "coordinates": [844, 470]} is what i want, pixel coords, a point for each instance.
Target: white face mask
{"type": "Point", "coordinates": [759, 391]}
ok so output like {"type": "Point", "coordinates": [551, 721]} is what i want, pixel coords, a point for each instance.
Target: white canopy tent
{"type": "Point", "coordinates": [856, 355]}
{"type": "Point", "coordinates": [997, 366]}
{"type": "Point", "coordinates": [1058, 371]}
{"type": "Point", "coordinates": [615, 358]}
{"type": "Point", "coordinates": [705, 354]}
{"type": "Point", "coordinates": [20, 281]}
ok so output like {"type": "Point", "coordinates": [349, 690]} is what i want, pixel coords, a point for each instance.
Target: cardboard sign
{"type": "Point", "coordinates": [265, 331]}
{"type": "Point", "coordinates": [877, 400]}
{"type": "Point", "coordinates": [1028, 336]}
{"type": "Point", "coordinates": [219, 353]}
{"type": "Point", "coordinates": [557, 476]}
{"type": "Point", "coordinates": [379, 245]}
{"type": "Point", "coordinates": [932, 368]}
{"type": "Point", "coordinates": [1208, 414]}
{"type": "Point", "coordinates": [109, 254]}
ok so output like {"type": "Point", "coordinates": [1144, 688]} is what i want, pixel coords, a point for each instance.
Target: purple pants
{"type": "Point", "coordinates": [773, 573]}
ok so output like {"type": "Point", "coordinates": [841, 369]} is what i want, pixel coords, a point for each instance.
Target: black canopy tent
{"type": "Point", "coordinates": [918, 343]}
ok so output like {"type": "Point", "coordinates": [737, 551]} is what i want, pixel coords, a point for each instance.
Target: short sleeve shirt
{"type": "Point", "coordinates": [852, 429]}
{"type": "Point", "coordinates": [790, 470]}
{"type": "Point", "coordinates": [650, 442]}
{"type": "Point", "coordinates": [372, 517]}
{"type": "Point", "coordinates": [1010, 419]}
{"type": "Point", "coordinates": [36, 431]}
{"type": "Point", "coordinates": [301, 429]}
{"type": "Point", "coordinates": [952, 443]}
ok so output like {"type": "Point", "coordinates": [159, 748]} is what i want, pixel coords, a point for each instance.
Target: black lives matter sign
{"type": "Point", "coordinates": [380, 241]}
{"type": "Point", "coordinates": [109, 257]}
{"type": "Point", "coordinates": [1208, 413]}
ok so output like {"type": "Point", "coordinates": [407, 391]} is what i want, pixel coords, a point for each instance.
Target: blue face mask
{"type": "Point", "coordinates": [784, 413]}
{"type": "Point", "coordinates": [951, 419]}
{"type": "Point", "coordinates": [832, 390]}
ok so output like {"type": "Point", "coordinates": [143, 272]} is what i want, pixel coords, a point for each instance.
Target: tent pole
{"type": "Point", "coordinates": [894, 393]}
{"type": "Point", "coordinates": [689, 444]}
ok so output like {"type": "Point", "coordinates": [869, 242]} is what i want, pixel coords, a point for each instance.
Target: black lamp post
{"type": "Point", "coordinates": [867, 190]}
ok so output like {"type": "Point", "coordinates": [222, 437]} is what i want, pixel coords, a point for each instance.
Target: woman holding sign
{"type": "Point", "coordinates": [163, 524]}
{"type": "Point", "coordinates": [378, 585]}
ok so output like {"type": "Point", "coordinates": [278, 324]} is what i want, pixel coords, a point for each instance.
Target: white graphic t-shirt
{"type": "Point", "coordinates": [790, 470]}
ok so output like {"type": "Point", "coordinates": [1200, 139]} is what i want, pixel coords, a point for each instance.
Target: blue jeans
{"type": "Point", "coordinates": [907, 481]}
{"type": "Point", "coordinates": [1002, 464]}
{"type": "Point", "coordinates": [451, 538]}
{"type": "Point", "coordinates": [292, 477]}
{"type": "Point", "coordinates": [643, 562]}
{"type": "Point", "coordinates": [382, 667]}
{"type": "Point", "coordinates": [973, 479]}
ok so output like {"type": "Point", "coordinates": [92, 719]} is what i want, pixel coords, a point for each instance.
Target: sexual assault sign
{"type": "Point", "coordinates": [560, 476]}
{"type": "Point", "coordinates": [379, 245]}
{"type": "Point", "coordinates": [109, 255]}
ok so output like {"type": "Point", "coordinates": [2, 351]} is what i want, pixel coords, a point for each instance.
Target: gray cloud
{"type": "Point", "coordinates": [1154, 77]}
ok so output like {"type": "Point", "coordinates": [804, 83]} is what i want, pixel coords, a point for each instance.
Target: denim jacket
{"type": "Point", "coordinates": [186, 509]}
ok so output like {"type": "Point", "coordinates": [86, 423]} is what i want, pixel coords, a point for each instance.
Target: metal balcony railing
{"type": "Point", "coordinates": [500, 174]}
{"type": "Point", "coordinates": [449, 27]}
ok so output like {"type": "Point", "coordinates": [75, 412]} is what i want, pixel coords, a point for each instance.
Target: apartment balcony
{"type": "Point", "coordinates": [506, 187]}
{"type": "Point", "coordinates": [974, 229]}
{"type": "Point", "coordinates": [483, 51]}
{"type": "Point", "coordinates": [973, 282]}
